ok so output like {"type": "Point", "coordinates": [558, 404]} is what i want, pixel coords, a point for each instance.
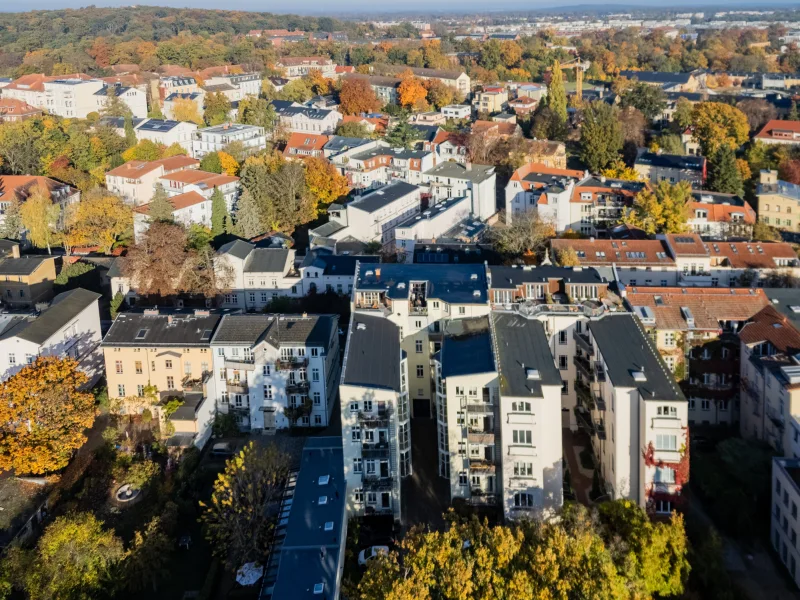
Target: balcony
{"type": "Point", "coordinates": [195, 385]}
{"type": "Point", "coordinates": [481, 408]}
{"type": "Point", "coordinates": [482, 464]}
{"type": "Point", "coordinates": [583, 342]}
{"type": "Point", "coordinates": [288, 364]}
{"type": "Point", "coordinates": [297, 387]}
{"type": "Point", "coordinates": [583, 394]}
{"type": "Point", "coordinates": [480, 437]}
{"type": "Point", "coordinates": [584, 420]}
{"type": "Point", "coordinates": [584, 367]}
{"type": "Point", "coordinates": [479, 498]}
{"type": "Point", "coordinates": [245, 363]}
{"type": "Point", "coordinates": [600, 429]}
{"type": "Point", "coordinates": [237, 387]}
{"type": "Point", "coordinates": [375, 450]}
{"type": "Point", "coordinates": [376, 419]}
{"type": "Point", "coordinates": [776, 418]}
{"type": "Point", "coordinates": [418, 311]}
{"type": "Point", "coordinates": [375, 482]}
{"type": "Point", "coordinates": [599, 402]}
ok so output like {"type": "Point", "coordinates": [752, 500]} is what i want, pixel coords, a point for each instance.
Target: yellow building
{"type": "Point", "coordinates": [26, 280]}
{"type": "Point", "coordinates": [778, 202]}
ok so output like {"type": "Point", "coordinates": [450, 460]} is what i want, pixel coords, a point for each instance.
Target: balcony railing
{"type": "Point", "coordinates": [377, 418]}
{"type": "Point", "coordinates": [374, 482]}
{"type": "Point", "coordinates": [600, 429]}
{"type": "Point", "coordinates": [584, 367]}
{"type": "Point", "coordinates": [295, 362]}
{"type": "Point", "coordinates": [245, 363]}
{"type": "Point", "coordinates": [482, 464]}
{"type": "Point", "coordinates": [481, 408]}
{"type": "Point", "coordinates": [482, 499]}
{"type": "Point", "coordinates": [583, 342]}
{"type": "Point", "coordinates": [480, 437]}
{"type": "Point", "coordinates": [417, 310]}
{"type": "Point", "coordinates": [375, 450]}
{"type": "Point", "coordinates": [237, 387]}
{"type": "Point", "coordinates": [297, 387]}
{"type": "Point", "coordinates": [777, 418]}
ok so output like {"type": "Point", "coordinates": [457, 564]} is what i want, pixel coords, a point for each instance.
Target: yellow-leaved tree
{"type": "Point", "coordinates": [663, 210]}
{"type": "Point", "coordinates": [324, 181]}
{"type": "Point", "coordinates": [39, 217]}
{"type": "Point", "coordinates": [412, 92]}
{"type": "Point", "coordinates": [44, 414]}
{"type": "Point", "coordinates": [228, 163]}
{"type": "Point", "coordinates": [102, 219]}
{"type": "Point", "coordinates": [184, 109]}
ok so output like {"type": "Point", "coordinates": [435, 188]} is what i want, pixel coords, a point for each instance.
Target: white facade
{"type": "Point", "coordinates": [301, 119]}
{"type": "Point", "coordinates": [457, 111]}
{"type": "Point", "coordinates": [135, 99]}
{"type": "Point", "coordinates": [430, 224]}
{"type": "Point", "coordinates": [167, 133]}
{"type": "Point", "coordinates": [214, 139]}
{"type": "Point", "coordinates": [72, 98]}
{"type": "Point", "coordinates": [784, 522]}
{"type": "Point", "coordinates": [452, 180]}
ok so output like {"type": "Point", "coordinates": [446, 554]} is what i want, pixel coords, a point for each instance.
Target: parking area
{"type": "Point", "coordinates": [425, 495]}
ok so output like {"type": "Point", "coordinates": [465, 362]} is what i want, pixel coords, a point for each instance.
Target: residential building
{"type": "Point", "coordinates": [448, 146]}
{"type": "Point", "coordinates": [455, 78]}
{"type": "Point", "coordinates": [18, 188]}
{"type": "Point", "coordinates": [202, 182]}
{"type": "Point", "coordinates": [778, 202]}
{"type": "Point", "coordinates": [337, 144]}
{"type": "Point", "coordinates": [302, 145]}
{"type": "Point", "coordinates": [375, 164]}
{"type": "Point", "coordinates": [636, 414]}
{"type": "Point", "coordinates": [597, 204]}
{"type": "Point", "coordinates": [196, 98]}
{"type": "Point", "coordinates": [71, 98]}
{"type": "Point", "coordinates": [309, 553]}
{"type": "Point", "coordinates": [325, 272]}
{"type": "Point", "coordinates": [243, 84]}
{"type": "Point", "coordinates": [376, 123]}
{"type": "Point", "coordinates": [13, 110]}
{"type": "Point", "coordinates": [779, 132]}
{"type": "Point", "coordinates": [457, 111]}
{"type": "Point", "coordinates": [490, 100]}
{"type": "Point", "coordinates": [30, 88]}
{"type": "Point", "coordinates": [374, 400]}
{"type": "Point", "coordinates": [68, 327]}
{"type": "Point", "coordinates": [167, 133]}
{"type": "Point", "coordinates": [277, 371]}
{"type": "Point", "coordinates": [385, 88]}
{"type": "Point", "coordinates": [523, 105]}
{"type": "Point", "coordinates": [694, 330]}
{"type": "Point", "coordinates": [656, 167]}
{"type": "Point", "coordinates": [717, 216]}
{"type": "Point", "coordinates": [252, 276]}
{"type": "Point", "coordinates": [295, 67]}
{"type": "Point", "coordinates": [454, 180]}
{"type": "Point", "coordinates": [178, 84]}
{"type": "Point", "coordinates": [537, 91]}
{"type": "Point", "coordinates": [302, 119]}
{"type": "Point", "coordinates": [546, 189]}
{"type": "Point", "coordinates": [784, 523]}
{"type": "Point", "coordinates": [495, 129]}
{"type": "Point", "coordinates": [770, 374]}
{"type": "Point", "coordinates": [373, 216]}
{"type": "Point", "coordinates": [216, 138]}
{"type": "Point", "coordinates": [169, 350]}
{"type": "Point", "coordinates": [505, 117]}
{"type": "Point", "coordinates": [435, 222]}
{"type": "Point", "coordinates": [669, 82]}
{"type": "Point", "coordinates": [134, 98]}
{"type": "Point", "coordinates": [428, 118]}
{"type": "Point", "coordinates": [135, 181]}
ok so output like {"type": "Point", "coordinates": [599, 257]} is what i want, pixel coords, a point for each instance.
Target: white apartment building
{"type": "Point", "coordinates": [135, 181]}
{"type": "Point", "coordinates": [135, 99]}
{"type": "Point", "coordinates": [303, 119]}
{"type": "Point", "coordinates": [372, 217]}
{"type": "Point", "coordinates": [717, 216]}
{"type": "Point", "coordinates": [68, 327]}
{"type": "Point", "coordinates": [177, 85]}
{"type": "Point", "coordinates": [244, 84]}
{"type": "Point", "coordinates": [637, 414]}
{"type": "Point", "coordinates": [167, 133]}
{"type": "Point", "coordinates": [784, 522]}
{"type": "Point", "coordinates": [325, 272]}
{"type": "Point", "coordinates": [432, 223]}
{"type": "Point", "coordinates": [546, 190]}
{"type": "Point", "coordinates": [374, 400]}
{"type": "Point", "coordinates": [277, 371]}
{"type": "Point", "coordinates": [457, 111]}
{"type": "Point", "coordinates": [477, 182]}
{"type": "Point", "coordinates": [72, 98]}
{"type": "Point", "coordinates": [376, 163]}
{"type": "Point", "coordinates": [214, 139]}
{"type": "Point", "coordinates": [295, 67]}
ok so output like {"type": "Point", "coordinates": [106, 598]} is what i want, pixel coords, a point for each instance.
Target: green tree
{"type": "Point", "coordinates": [220, 219]}
{"type": "Point", "coordinates": [669, 143]}
{"type": "Point", "coordinates": [234, 517]}
{"type": "Point", "coordinates": [217, 108]}
{"type": "Point", "coordinates": [258, 112]}
{"type": "Point", "coordinates": [601, 136]}
{"type": "Point", "coordinates": [147, 562]}
{"type": "Point", "coordinates": [160, 208]}
{"type": "Point", "coordinates": [723, 174]}
{"type": "Point", "coordinates": [11, 227]}
{"type": "Point", "coordinates": [130, 133]}
{"type": "Point", "coordinates": [116, 304]}
{"type": "Point", "coordinates": [793, 114]}
{"type": "Point", "coordinates": [248, 221]}
{"type": "Point", "coordinates": [649, 99]}
{"type": "Point", "coordinates": [211, 163]}
{"type": "Point", "coordinates": [353, 129]}
{"type": "Point", "coordinates": [718, 124]}
{"type": "Point", "coordinates": [402, 134]}
{"type": "Point", "coordinates": [556, 94]}
{"type": "Point", "coordinates": [75, 558]}
{"type": "Point", "coordinates": [683, 113]}
{"type": "Point", "coordinates": [663, 210]}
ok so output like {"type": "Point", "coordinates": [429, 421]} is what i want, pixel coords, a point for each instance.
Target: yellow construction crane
{"type": "Point", "coordinates": [579, 66]}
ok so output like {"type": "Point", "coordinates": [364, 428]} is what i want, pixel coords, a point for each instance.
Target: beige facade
{"type": "Point", "coordinates": [778, 202]}
{"type": "Point", "coordinates": [490, 101]}
{"type": "Point", "coordinates": [27, 280]}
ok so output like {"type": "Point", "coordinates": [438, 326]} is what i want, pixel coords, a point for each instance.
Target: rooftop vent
{"type": "Point", "coordinates": [533, 374]}
{"type": "Point", "coordinates": [323, 500]}
{"type": "Point", "coordinates": [687, 314]}
{"type": "Point", "coordinates": [401, 285]}
{"type": "Point", "coordinates": [329, 526]}
{"type": "Point", "coordinates": [361, 326]}
{"type": "Point", "coordinates": [474, 276]}
{"type": "Point", "coordinates": [319, 588]}
{"type": "Point", "coordinates": [638, 376]}
{"type": "Point", "coordinates": [476, 294]}
{"type": "Point", "coordinates": [324, 479]}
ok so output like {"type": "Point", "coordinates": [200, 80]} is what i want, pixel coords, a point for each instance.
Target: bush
{"type": "Point", "coordinates": [147, 416]}
{"type": "Point", "coordinates": [225, 425]}
{"type": "Point", "coordinates": [141, 474]}
{"type": "Point", "coordinates": [78, 275]}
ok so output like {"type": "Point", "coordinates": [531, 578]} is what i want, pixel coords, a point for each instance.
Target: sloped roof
{"type": "Point", "coordinates": [266, 260]}
{"type": "Point", "coordinates": [133, 169]}
{"type": "Point", "coordinates": [65, 307]}
{"type": "Point", "coordinates": [178, 202]}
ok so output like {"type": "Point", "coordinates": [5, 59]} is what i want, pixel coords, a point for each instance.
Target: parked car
{"type": "Point", "coordinates": [368, 554]}
{"type": "Point", "coordinates": [223, 450]}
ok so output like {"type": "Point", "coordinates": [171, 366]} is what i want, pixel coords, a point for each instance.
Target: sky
{"type": "Point", "coordinates": [342, 7]}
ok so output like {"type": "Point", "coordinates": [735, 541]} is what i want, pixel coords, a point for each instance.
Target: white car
{"type": "Point", "coordinates": [368, 554]}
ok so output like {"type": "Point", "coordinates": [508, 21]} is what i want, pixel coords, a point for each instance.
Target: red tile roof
{"type": "Point", "coordinates": [769, 325]}
{"type": "Point", "coordinates": [134, 169]}
{"type": "Point", "coordinates": [722, 213]}
{"type": "Point", "coordinates": [540, 169]}
{"type": "Point", "coordinates": [751, 255]}
{"type": "Point", "coordinates": [180, 201]}
{"type": "Point", "coordinates": [768, 131]}
{"type": "Point", "coordinates": [686, 244]}
{"type": "Point", "coordinates": [625, 252]}
{"type": "Point", "coordinates": [495, 128]}
{"type": "Point", "coordinates": [22, 186]}
{"type": "Point", "coordinates": [307, 142]}
{"type": "Point", "coordinates": [17, 108]}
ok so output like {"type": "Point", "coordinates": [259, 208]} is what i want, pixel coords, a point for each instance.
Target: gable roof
{"type": "Point", "coordinates": [65, 307]}
{"type": "Point", "coordinates": [133, 169]}
{"type": "Point", "coordinates": [22, 186]}
{"type": "Point", "coordinates": [306, 141]}
{"type": "Point", "coordinates": [178, 202]}
{"type": "Point", "coordinates": [24, 265]}
{"type": "Point", "coordinates": [672, 161]}
{"type": "Point", "coordinates": [773, 125]}
{"type": "Point", "coordinates": [167, 328]}
{"type": "Point", "coordinates": [769, 325]}
{"type": "Point", "coordinates": [276, 330]}
{"type": "Point", "coordinates": [266, 260]}
{"type": "Point", "coordinates": [596, 252]}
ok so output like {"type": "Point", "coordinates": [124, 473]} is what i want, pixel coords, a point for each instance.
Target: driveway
{"type": "Point", "coordinates": [425, 495]}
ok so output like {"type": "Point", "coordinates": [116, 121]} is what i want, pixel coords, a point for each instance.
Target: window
{"type": "Point", "coordinates": [663, 507]}
{"type": "Point", "coordinates": [314, 374]}
{"type": "Point", "coordinates": [12, 360]}
{"type": "Point", "coordinates": [462, 478]}
{"type": "Point", "coordinates": [705, 404]}
{"type": "Point", "coordinates": [522, 437]}
{"type": "Point", "coordinates": [462, 310]}
{"type": "Point", "coordinates": [521, 407]}
{"type": "Point", "coordinates": [666, 442]}
{"type": "Point", "coordinates": [358, 496]}
{"type": "Point", "coordinates": [268, 392]}
{"type": "Point", "coordinates": [121, 390]}
{"type": "Point", "coordinates": [420, 372]}
{"type": "Point", "coordinates": [355, 433]}
{"type": "Point", "coordinates": [138, 367]}
{"type": "Point", "coordinates": [317, 398]}
{"type": "Point", "coordinates": [564, 387]}
{"type": "Point", "coordinates": [167, 364]}
{"type": "Point", "coordinates": [523, 500]}
{"type": "Point", "coordinates": [315, 352]}
{"type": "Point", "coordinates": [562, 337]}
{"type": "Point", "coordinates": [267, 370]}
{"type": "Point", "coordinates": [140, 390]}
{"type": "Point", "coordinates": [354, 407]}
{"type": "Point", "coordinates": [667, 411]}
{"type": "Point", "coordinates": [317, 420]}
{"type": "Point", "coordinates": [523, 469]}
{"type": "Point", "coordinates": [170, 383]}
{"type": "Point", "coordinates": [669, 339]}
{"type": "Point", "coordinates": [664, 475]}
{"type": "Point", "coordinates": [357, 465]}
{"type": "Point", "coordinates": [418, 346]}
{"type": "Point", "coordinates": [118, 367]}
{"type": "Point", "coordinates": [562, 362]}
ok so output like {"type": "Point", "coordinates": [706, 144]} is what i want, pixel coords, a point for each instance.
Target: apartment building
{"type": "Point", "coordinates": [30, 88]}
{"type": "Point", "coordinates": [13, 110]}
{"type": "Point", "coordinates": [770, 373]}
{"type": "Point", "coordinates": [68, 327]}
{"type": "Point", "coordinates": [694, 330]}
{"type": "Point", "coordinates": [656, 167]}
{"type": "Point", "coordinates": [242, 84]}
{"type": "Point", "coordinates": [784, 523]}
{"type": "Point", "coordinates": [18, 188]}
{"type": "Point", "coordinates": [543, 188]}
{"type": "Point", "coordinates": [457, 111]}
{"type": "Point", "coordinates": [778, 202]}
{"type": "Point", "coordinates": [277, 371]}
{"type": "Point", "coordinates": [779, 132]}
{"type": "Point", "coordinates": [216, 138]}
{"type": "Point", "coordinates": [635, 412]}
{"type": "Point", "coordinates": [490, 100]}
{"type": "Point", "coordinates": [134, 98]}
{"type": "Point", "coordinates": [72, 98]}
{"type": "Point", "coordinates": [448, 146]}
{"type": "Point", "coordinates": [252, 276]}
{"type": "Point", "coordinates": [436, 222]}
{"type": "Point", "coordinates": [598, 203]}
{"type": "Point", "coordinates": [167, 133]}
{"type": "Point", "coordinates": [476, 182]}
{"type": "Point", "coordinates": [454, 78]}
{"type": "Point", "coordinates": [135, 181]}
{"type": "Point", "coordinates": [171, 351]}
{"type": "Point", "coordinates": [324, 272]}
{"type": "Point", "coordinates": [374, 400]}
{"type": "Point", "coordinates": [26, 280]}
{"type": "Point", "coordinates": [375, 164]}
{"type": "Point", "coordinates": [718, 216]}
{"type": "Point", "coordinates": [178, 84]}
{"type": "Point", "coordinates": [295, 67]}
{"type": "Point", "coordinates": [302, 145]}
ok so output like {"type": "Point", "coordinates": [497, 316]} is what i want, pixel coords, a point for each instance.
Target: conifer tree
{"type": "Point", "coordinates": [160, 206]}
{"type": "Point", "coordinates": [556, 94]}
{"type": "Point", "coordinates": [220, 219]}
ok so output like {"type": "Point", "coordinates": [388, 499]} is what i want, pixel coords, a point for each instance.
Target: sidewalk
{"type": "Point", "coordinates": [580, 478]}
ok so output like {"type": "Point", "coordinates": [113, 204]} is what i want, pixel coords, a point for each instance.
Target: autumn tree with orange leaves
{"type": "Point", "coordinates": [43, 416]}
{"type": "Point", "coordinates": [357, 96]}
{"type": "Point", "coordinates": [412, 92]}
{"type": "Point", "coordinates": [324, 181]}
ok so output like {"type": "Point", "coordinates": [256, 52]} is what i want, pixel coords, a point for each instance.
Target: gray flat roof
{"type": "Point", "coordinates": [311, 330]}
{"type": "Point", "coordinates": [310, 553]}
{"type": "Point", "coordinates": [510, 277]}
{"type": "Point", "coordinates": [626, 348]}
{"type": "Point", "coordinates": [65, 307]}
{"type": "Point", "coordinates": [454, 170]}
{"type": "Point", "coordinates": [521, 346]}
{"type": "Point", "coordinates": [227, 128]}
{"type": "Point", "coordinates": [384, 196]}
{"type": "Point", "coordinates": [467, 348]}
{"type": "Point", "coordinates": [785, 300]}
{"type": "Point", "coordinates": [373, 353]}
{"type": "Point", "coordinates": [454, 283]}
{"type": "Point", "coordinates": [434, 211]}
{"type": "Point", "coordinates": [158, 125]}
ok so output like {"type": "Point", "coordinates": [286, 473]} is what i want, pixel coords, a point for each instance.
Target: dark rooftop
{"type": "Point", "coordinates": [167, 328]}
{"type": "Point", "coordinates": [787, 302]}
{"type": "Point", "coordinates": [467, 347]}
{"type": "Point", "coordinates": [333, 264]}
{"type": "Point", "coordinates": [373, 353]}
{"type": "Point", "coordinates": [25, 265]}
{"type": "Point", "coordinates": [311, 330]}
{"type": "Point", "coordinates": [521, 348]}
{"type": "Point", "coordinates": [267, 260]}
{"type": "Point", "coordinates": [511, 277]}
{"type": "Point", "coordinates": [384, 196]}
{"type": "Point", "coordinates": [671, 161]}
{"type": "Point", "coordinates": [238, 248]}
{"type": "Point", "coordinates": [65, 307]}
{"type": "Point", "coordinates": [454, 283]}
{"type": "Point", "coordinates": [626, 349]}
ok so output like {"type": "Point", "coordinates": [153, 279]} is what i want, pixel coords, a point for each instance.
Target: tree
{"type": "Point", "coordinates": [619, 170]}
{"type": "Point", "coordinates": [248, 221]}
{"type": "Point", "coordinates": [228, 163]}
{"type": "Point", "coordinates": [793, 113]}
{"type": "Point", "coordinates": [357, 96]}
{"type": "Point", "coordinates": [547, 125]}
{"type": "Point", "coordinates": [160, 208]}
{"type": "Point", "coordinates": [324, 180]}
{"type": "Point", "coordinates": [439, 93]}
{"type": "Point", "coordinates": [567, 257]}
{"type": "Point", "coordinates": [527, 234]}
{"type": "Point", "coordinates": [185, 109]}
{"type": "Point", "coordinates": [354, 130]}
{"type": "Point", "coordinates": [116, 304]}
{"type": "Point", "coordinates": [724, 175]}
{"type": "Point", "coordinates": [601, 135]}
{"type": "Point", "coordinates": [75, 558]}
{"type": "Point", "coordinates": [292, 204]}
{"type": "Point", "coordinates": [11, 227]}
{"type": "Point", "coordinates": [157, 262]}
{"type": "Point", "coordinates": [296, 91]}
{"type": "Point", "coordinates": [211, 163]}
{"type": "Point", "coordinates": [202, 277]}
{"type": "Point", "coordinates": [43, 416]}
{"type": "Point", "coordinates": [556, 94]}
{"type": "Point", "coordinates": [788, 170]}
{"type": "Point", "coordinates": [174, 149]}
{"type": "Point", "coordinates": [258, 112]}
{"type": "Point", "coordinates": [234, 517]}
{"type": "Point", "coordinates": [661, 211]}
{"type": "Point", "coordinates": [144, 150]}
{"type": "Point", "coordinates": [765, 233]}
{"type": "Point", "coordinates": [683, 113]}
{"type": "Point", "coordinates": [216, 109]}
{"type": "Point", "coordinates": [403, 134]}
{"type": "Point", "coordinates": [39, 216]}
{"type": "Point", "coordinates": [220, 219]}
{"type": "Point", "coordinates": [130, 133]}
{"type": "Point", "coordinates": [649, 99]}
{"type": "Point", "coordinates": [669, 143]}
{"type": "Point", "coordinates": [147, 561]}
{"type": "Point", "coordinates": [103, 220]}
{"type": "Point", "coordinates": [717, 124]}
{"type": "Point", "coordinates": [411, 92]}
{"type": "Point", "coordinates": [758, 112]}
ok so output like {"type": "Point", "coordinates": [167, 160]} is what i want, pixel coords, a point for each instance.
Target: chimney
{"type": "Point", "coordinates": [15, 251]}
{"type": "Point", "coordinates": [469, 165]}
{"type": "Point", "coordinates": [377, 273]}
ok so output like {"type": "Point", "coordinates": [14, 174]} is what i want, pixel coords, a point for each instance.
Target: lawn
{"type": "Point", "coordinates": [18, 500]}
